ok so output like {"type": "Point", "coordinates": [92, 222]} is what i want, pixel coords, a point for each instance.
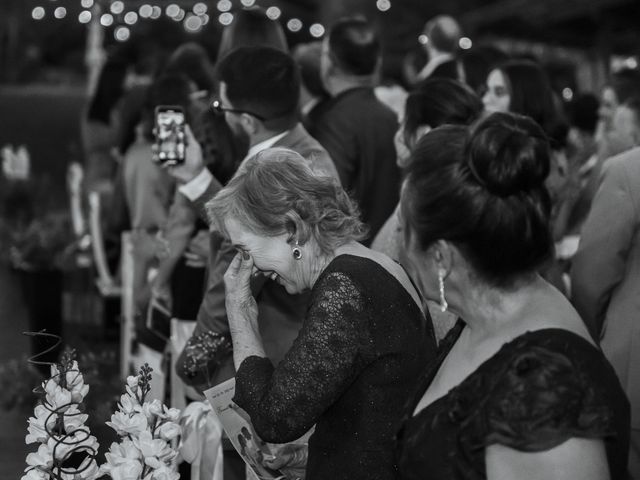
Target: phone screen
{"type": "Point", "coordinates": [170, 137]}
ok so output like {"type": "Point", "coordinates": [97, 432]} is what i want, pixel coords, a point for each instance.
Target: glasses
{"type": "Point", "coordinates": [218, 108]}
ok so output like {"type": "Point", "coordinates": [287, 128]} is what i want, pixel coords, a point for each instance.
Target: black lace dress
{"type": "Point", "coordinates": [351, 370]}
{"type": "Point", "coordinates": [539, 390]}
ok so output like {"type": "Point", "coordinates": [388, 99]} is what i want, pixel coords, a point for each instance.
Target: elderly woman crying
{"type": "Point", "coordinates": [365, 338]}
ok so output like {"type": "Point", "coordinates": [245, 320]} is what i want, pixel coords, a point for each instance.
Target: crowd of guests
{"type": "Point", "coordinates": [386, 269]}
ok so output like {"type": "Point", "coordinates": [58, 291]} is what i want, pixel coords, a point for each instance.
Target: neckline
{"type": "Point", "coordinates": [460, 325]}
{"type": "Point", "coordinates": [379, 266]}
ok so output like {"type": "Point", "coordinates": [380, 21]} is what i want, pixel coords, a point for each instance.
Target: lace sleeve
{"type": "Point", "coordinates": [542, 399]}
{"type": "Point", "coordinates": [284, 403]}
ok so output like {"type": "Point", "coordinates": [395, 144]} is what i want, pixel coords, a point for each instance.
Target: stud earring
{"type": "Point", "coordinates": [443, 301]}
{"type": "Point", "coordinates": [296, 252]}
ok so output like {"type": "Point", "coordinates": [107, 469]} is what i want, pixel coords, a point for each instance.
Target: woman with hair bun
{"type": "Point", "coordinates": [364, 339]}
{"type": "Point", "coordinates": [518, 389]}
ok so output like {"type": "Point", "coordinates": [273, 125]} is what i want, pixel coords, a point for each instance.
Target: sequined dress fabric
{"type": "Point", "coordinates": [355, 362]}
{"type": "Point", "coordinates": [536, 392]}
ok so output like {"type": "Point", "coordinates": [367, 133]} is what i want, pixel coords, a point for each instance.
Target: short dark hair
{"type": "Point", "coordinates": [486, 194]}
{"type": "Point", "coordinates": [252, 27]}
{"type": "Point", "coordinates": [354, 46]}
{"type": "Point", "coordinates": [192, 60]}
{"type": "Point", "coordinates": [263, 80]}
{"type": "Point", "coordinates": [440, 101]}
{"type": "Point", "coordinates": [444, 33]}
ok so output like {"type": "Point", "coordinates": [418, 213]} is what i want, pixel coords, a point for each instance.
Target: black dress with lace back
{"type": "Point", "coordinates": [539, 390]}
{"type": "Point", "coordinates": [356, 361]}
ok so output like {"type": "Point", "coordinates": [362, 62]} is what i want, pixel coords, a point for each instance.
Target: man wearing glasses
{"type": "Point", "coordinates": [258, 95]}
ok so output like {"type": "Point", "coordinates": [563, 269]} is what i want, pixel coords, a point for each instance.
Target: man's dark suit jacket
{"type": "Point", "coordinates": [357, 130]}
{"type": "Point", "coordinates": [280, 314]}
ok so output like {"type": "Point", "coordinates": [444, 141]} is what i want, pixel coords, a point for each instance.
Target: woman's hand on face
{"type": "Point", "coordinates": [238, 287]}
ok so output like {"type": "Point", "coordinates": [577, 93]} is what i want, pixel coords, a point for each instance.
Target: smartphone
{"type": "Point", "coordinates": [170, 144]}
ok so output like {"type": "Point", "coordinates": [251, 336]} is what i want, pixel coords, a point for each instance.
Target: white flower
{"type": "Point", "coordinates": [169, 431]}
{"type": "Point", "coordinates": [124, 452]}
{"type": "Point", "coordinates": [129, 470]}
{"type": "Point", "coordinates": [37, 429]}
{"type": "Point", "coordinates": [35, 474]}
{"type": "Point", "coordinates": [154, 451]}
{"type": "Point", "coordinates": [42, 458]}
{"type": "Point", "coordinates": [132, 385]}
{"type": "Point", "coordinates": [74, 419]}
{"type": "Point", "coordinates": [61, 447]}
{"type": "Point", "coordinates": [128, 404]}
{"type": "Point", "coordinates": [164, 473]}
{"type": "Point", "coordinates": [152, 410]}
{"type": "Point", "coordinates": [58, 398]}
{"type": "Point", "coordinates": [171, 414]}
{"type": "Point", "coordinates": [75, 383]}
{"type": "Point", "coordinates": [125, 424]}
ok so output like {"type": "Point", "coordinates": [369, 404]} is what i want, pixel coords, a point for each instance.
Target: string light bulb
{"type": "Point", "coordinates": [38, 13]}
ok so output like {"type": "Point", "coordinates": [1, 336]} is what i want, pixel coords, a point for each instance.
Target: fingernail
{"type": "Point", "coordinates": [245, 256]}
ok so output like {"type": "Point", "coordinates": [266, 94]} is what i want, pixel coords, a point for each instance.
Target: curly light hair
{"type": "Point", "coordinates": [276, 192]}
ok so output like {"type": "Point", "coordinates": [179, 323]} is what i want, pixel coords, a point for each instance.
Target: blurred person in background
{"type": "Point", "coordinates": [99, 127]}
{"type": "Point", "coordinates": [435, 102]}
{"type": "Point", "coordinates": [605, 275]}
{"type": "Point", "coordinates": [179, 282]}
{"type": "Point", "coordinates": [523, 87]}
{"type": "Point", "coordinates": [252, 27]}
{"type": "Point", "coordinates": [441, 43]}
{"type": "Point", "coordinates": [313, 95]}
{"type": "Point", "coordinates": [519, 389]}
{"type": "Point", "coordinates": [148, 188]}
{"type": "Point", "coordinates": [475, 64]}
{"type": "Point", "coordinates": [355, 127]}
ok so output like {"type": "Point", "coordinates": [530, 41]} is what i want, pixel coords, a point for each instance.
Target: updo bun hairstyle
{"type": "Point", "coordinates": [487, 196]}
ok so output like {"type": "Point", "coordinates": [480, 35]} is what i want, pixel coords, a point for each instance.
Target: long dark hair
{"type": "Point", "coordinates": [108, 91]}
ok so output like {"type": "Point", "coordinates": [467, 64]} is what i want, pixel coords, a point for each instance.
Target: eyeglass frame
{"type": "Point", "coordinates": [217, 107]}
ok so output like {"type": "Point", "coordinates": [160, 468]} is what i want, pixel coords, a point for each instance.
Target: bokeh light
{"type": "Point", "coordinates": [274, 13]}
{"type": "Point", "coordinates": [193, 24]}
{"type": "Point", "coordinates": [131, 18]}
{"type": "Point", "coordinates": [145, 11]}
{"type": "Point", "coordinates": [106, 20]}
{"type": "Point", "coordinates": [84, 16]}
{"type": "Point", "coordinates": [200, 8]}
{"type": "Point", "coordinates": [37, 13]}
{"type": "Point", "coordinates": [294, 25]}
{"type": "Point", "coordinates": [316, 30]}
{"type": "Point", "coordinates": [465, 43]}
{"type": "Point", "coordinates": [60, 12]}
{"type": "Point", "coordinates": [122, 34]}
{"type": "Point", "coordinates": [226, 18]}
{"type": "Point", "coordinates": [224, 5]}
{"type": "Point", "coordinates": [86, 3]}
{"type": "Point", "coordinates": [383, 5]}
{"type": "Point", "coordinates": [117, 7]}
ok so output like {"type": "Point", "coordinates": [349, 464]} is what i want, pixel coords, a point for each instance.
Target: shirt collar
{"type": "Point", "coordinates": [268, 143]}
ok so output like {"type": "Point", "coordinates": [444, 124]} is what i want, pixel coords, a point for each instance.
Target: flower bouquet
{"type": "Point", "coordinates": [67, 449]}
{"type": "Point", "coordinates": [147, 429]}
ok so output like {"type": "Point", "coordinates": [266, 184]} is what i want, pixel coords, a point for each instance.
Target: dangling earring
{"type": "Point", "coordinates": [443, 301]}
{"type": "Point", "coordinates": [296, 252]}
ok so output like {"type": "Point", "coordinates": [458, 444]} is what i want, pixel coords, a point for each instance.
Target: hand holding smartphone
{"type": "Point", "coordinates": [170, 144]}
